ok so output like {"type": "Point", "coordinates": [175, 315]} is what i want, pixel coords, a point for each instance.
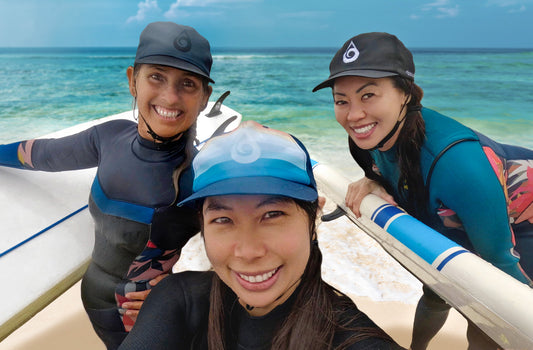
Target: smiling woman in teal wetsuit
{"type": "Point", "coordinates": [473, 190]}
{"type": "Point", "coordinates": [139, 233]}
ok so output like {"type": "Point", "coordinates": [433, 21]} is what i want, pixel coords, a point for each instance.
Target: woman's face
{"type": "Point", "coordinates": [169, 99]}
{"type": "Point", "coordinates": [368, 109]}
{"type": "Point", "coordinates": [258, 245]}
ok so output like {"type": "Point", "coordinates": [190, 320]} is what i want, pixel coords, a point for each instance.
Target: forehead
{"type": "Point", "coordinates": [168, 69]}
{"type": "Point", "coordinates": [356, 82]}
{"type": "Point", "coordinates": [229, 202]}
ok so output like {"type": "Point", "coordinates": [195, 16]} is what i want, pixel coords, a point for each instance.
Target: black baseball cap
{"type": "Point", "coordinates": [371, 55]}
{"type": "Point", "coordinates": [175, 45]}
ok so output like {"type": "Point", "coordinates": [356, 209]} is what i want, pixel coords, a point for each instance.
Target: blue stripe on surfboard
{"type": "Point", "coordinates": [450, 257]}
{"type": "Point", "coordinates": [41, 232]}
{"type": "Point", "coordinates": [409, 230]}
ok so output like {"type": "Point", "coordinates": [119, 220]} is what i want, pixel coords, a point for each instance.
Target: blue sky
{"type": "Point", "coordinates": [270, 23]}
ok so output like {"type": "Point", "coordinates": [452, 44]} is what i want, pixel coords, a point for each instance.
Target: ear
{"type": "Point", "coordinates": [131, 81]}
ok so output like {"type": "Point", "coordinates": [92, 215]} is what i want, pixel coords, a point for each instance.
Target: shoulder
{"type": "Point", "coordinates": [195, 283]}
{"type": "Point", "coordinates": [116, 126]}
{"type": "Point", "coordinates": [442, 131]}
{"type": "Point", "coordinates": [357, 330]}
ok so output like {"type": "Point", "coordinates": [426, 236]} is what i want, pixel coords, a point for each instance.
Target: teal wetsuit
{"type": "Point", "coordinates": [480, 196]}
{"type": "Point", "coordinates": [478, 190]}
{"type": "Point", "coordinates": [138, 232]}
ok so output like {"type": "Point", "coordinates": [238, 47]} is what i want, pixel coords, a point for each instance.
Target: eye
{"type": "Point", "coordinates": [156, 77]}
{"type": "Point", "coordinates": [189, 83]}
{"type": "Point", "coordinates": [340, 102]}
{"type": "Point", "coordinates": [221, 220]}
{"type": "Point", "coordinates": [274, 214]}
{"type": "Point", "coordinates": [367, 96]}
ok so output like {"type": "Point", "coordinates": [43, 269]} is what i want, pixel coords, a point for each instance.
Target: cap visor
{"type": "Point", "coordinates": [254, 186]}
{"type": "Point", "coordinates": [357, 73]}
{"type": "Point", "coordinates": [175, 63]}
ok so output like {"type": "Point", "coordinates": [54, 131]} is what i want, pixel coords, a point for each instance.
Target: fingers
{"type": "Point", "coordinates": [137, 298]}
{"type": "Point", "coordinates": [158, 279]}
{"type": "Point", "coordinates": [358, 190]}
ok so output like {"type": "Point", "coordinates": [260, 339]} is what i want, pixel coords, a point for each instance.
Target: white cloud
{"type": "Point", "coordinates": [512, 6]}
{"type": "Point", "coordinates": [179, 5]}
{"type": "Point", "coordinates": [439, 9]}
{"type": "Point", "coordinates": [144, 7]}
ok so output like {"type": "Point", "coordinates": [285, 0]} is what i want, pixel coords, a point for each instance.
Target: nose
{"type": "Point", "coordinates": [355, 112]}
{"type": "Point", "coordinates": [171, 94]}
{"type": "Point", "coordinates": [249, 246]}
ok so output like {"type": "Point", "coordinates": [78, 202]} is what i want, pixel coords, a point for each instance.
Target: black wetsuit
{"type": "Point", "coordinates": [138, 233]}
{"type": "Point", "coordinates": [175, 315]}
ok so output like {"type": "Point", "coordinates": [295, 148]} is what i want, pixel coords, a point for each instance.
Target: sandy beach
{"type": "Point", "coordinates": [64, 325]}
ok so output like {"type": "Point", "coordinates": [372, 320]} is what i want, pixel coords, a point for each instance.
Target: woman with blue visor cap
{"type": "Point", "coordinates": [257, 201]}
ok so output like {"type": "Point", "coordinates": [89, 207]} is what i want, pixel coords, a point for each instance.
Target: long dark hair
{"type": "Point", "coordinates": [313, 319]}
{"type": "Point", "coordinates": [410, 186]}
{"type": "Point", "coordinates": [189, 136]}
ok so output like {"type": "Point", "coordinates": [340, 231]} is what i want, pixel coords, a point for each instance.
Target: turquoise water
{"type": "Point", "coordinates": [43, 90]}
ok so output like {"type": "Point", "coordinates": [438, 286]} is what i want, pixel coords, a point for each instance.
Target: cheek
{"type": "Point", "coordinates": [340, 116]}
{"type": "Point", "coordinates": [215, 250]}
{"type": "Point", "coordinates": [296, 250]}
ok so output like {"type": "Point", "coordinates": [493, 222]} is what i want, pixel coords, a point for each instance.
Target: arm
{"type": "Point", "coordinates": [464, 181]}
{"type": "Point", "coordinates": [78, 151]}
{"type": "Point", "coordinates": [9, 155]}
{"type": "Point", "coordinates": [161, 323]}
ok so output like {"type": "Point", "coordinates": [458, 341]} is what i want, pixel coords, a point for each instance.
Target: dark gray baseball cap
{"type": "Point", "coordinates": [371, 55]}
{"type": "Point", "coordinates": [175, 45]}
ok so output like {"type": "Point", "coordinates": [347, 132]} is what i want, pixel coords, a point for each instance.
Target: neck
{"type": "Point", "coordinates": [157, 138]}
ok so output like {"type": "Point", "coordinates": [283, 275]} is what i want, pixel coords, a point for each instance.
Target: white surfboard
{"type": "Point", "coordinates": [496, 302]}
{"type": "Point", "coordinates": [47, 233]}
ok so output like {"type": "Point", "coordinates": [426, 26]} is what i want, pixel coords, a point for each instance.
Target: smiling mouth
{"type": "Point", "coordinates": [167, 113]}
{"type": "Point", "coordinates": [364, 129]}
{"type": "Point", "coordinates": [258, 278]}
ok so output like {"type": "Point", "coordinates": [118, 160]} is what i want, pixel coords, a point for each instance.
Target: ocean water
{"type": "Point", "coordinates": [47, 89]}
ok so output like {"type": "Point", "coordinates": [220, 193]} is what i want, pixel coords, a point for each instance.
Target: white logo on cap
{"type": "Point", "coordinates": [245, 150]}
{"type": "Point", "coordinates": [351, 53]}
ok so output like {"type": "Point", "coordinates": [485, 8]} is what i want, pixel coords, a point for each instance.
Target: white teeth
{"type": "Point", "coordinates": [258, 278]}
{"type": "Point", "coordinates": [364, 129]}
{"type": "Point", "coordinates": [166, 112]}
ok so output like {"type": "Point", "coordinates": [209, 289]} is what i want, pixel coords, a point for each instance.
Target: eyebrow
{"type": "Point", "coordinates": [163, 68]}
{"type": "Point", "coordinates": [360, 88]}
{"type": "Point", "coordinates": [215, 204]}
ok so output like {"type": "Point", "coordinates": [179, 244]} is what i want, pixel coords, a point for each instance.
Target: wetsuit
{"type": "Point", "coordinates": [175, 316]}
{"type": "Point", "coordinates": [480, 195]}
{"type": "Point", "coordinates": [138, 233]}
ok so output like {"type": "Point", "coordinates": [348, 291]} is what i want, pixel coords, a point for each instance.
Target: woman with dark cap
{"type": "Point", "coordinates": [257, 201]}
{"type": "Point", "coordinates": [142, 172]}
{"type": "Point", "coordinates": [459, 182]}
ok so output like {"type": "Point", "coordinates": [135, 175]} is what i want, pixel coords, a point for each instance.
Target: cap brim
{"type": "Point", "coordinates": [358, 73]}
{"type": "Point", "coordinates": [175, 63]}
{"type": "Point", "coordinates": [254, 186]}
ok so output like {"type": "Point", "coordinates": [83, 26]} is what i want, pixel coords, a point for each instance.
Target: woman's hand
{"type": "Point", "coordinates": [138, 298]}
{"type": "Point", "coordinates": [359, 189]}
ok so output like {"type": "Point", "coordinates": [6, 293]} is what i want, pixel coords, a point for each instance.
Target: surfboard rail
{"type": "Point", "coordinates": [496, 302]}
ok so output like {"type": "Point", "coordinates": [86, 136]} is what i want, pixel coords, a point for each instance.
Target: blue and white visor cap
{"type": "Point", "coordinates": [253, 159]}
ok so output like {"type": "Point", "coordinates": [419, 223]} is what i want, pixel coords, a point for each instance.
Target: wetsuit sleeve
{"type": "Point", "coordinates": [464, 181]}
{"type": "Point", "coordinates": [9, 155]}
{"type": "Point", "coordinates": [162, 321]}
